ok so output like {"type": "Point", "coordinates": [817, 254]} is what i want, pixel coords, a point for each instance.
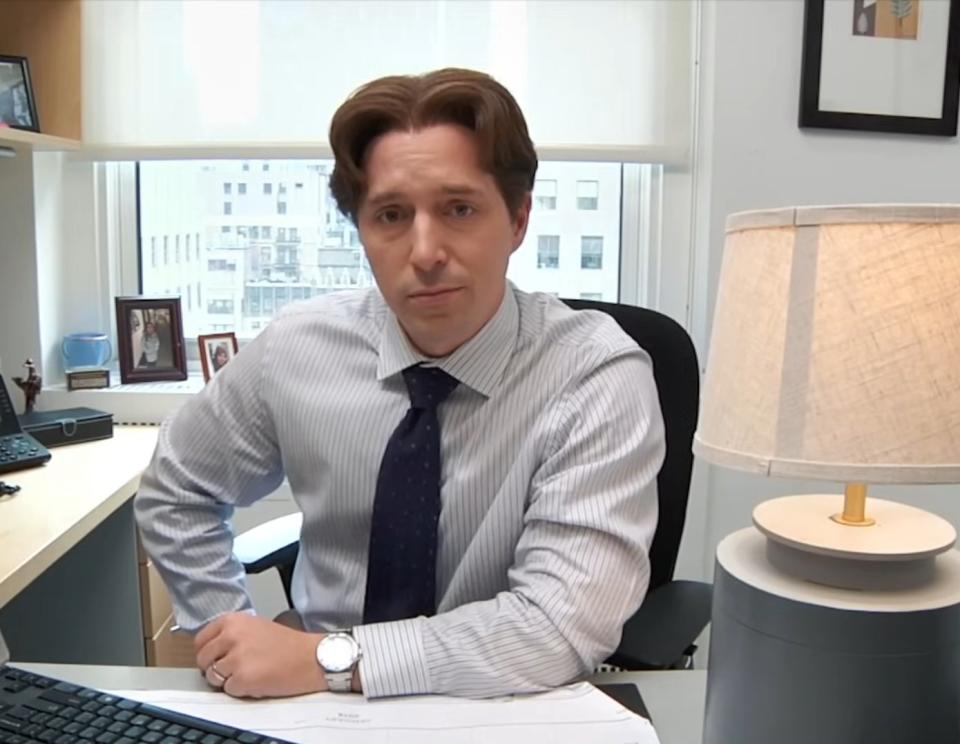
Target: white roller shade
{"type": "Point", "coordinates": [606, 78]}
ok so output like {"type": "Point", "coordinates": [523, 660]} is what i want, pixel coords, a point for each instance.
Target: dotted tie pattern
{"type": "Point", "coordinates": [401, 568]}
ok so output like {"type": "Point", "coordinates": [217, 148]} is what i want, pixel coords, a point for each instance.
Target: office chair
{"type": "Point", "coordinates": [661, 634]}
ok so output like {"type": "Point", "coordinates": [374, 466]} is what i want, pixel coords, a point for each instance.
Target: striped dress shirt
{"type": "Point", "coordinates": [550, 449]}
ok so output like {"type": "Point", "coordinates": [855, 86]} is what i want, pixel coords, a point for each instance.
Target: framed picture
{"type": "Point", "coordinates": [881, 65]}
{"type": "Point", "coordinates": [17, 106]}
{"type": "Point", "coordinates": [150, 339]}
{"type": "Point", "coordinates": [216, 349]}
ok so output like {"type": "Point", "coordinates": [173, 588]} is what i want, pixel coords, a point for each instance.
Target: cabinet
{"type": "Point", "coordinates": [49, 33]}
{"type": "Point", "coordinates": [162, 647]}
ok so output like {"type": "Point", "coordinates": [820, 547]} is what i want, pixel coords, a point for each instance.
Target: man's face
{"type": "Point", "coordinates": [437, 233]}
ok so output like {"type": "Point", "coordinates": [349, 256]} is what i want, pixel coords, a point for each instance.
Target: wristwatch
{"type": "Point", "coordinates": [338, 654]}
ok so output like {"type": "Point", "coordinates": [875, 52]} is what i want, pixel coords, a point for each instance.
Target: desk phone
{"type": "Point", "coordinates": [18, 449]}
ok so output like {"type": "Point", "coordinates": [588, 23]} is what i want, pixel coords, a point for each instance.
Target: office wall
{"type": "Point", "coordinates": [754, 156]}
{"type": "Point", "coordinates": [18, 267]}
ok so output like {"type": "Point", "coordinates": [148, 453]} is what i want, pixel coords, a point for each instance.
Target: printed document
{"type": "Point", "coordinates": [577, 714]}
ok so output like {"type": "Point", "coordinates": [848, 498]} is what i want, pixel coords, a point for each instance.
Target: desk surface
{"type": "Point", "coordinates": [61, 502]}
{"type": "Point", "coordinates": [675, 699]}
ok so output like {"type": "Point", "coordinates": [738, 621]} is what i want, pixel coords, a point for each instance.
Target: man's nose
{"type": "Point", "coordinates": [427, 243]}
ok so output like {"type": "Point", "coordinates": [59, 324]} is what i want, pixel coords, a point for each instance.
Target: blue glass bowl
{"type": "Point", "coordinates": [85, 350]}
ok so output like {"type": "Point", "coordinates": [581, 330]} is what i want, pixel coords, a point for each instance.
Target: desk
{"type": "Point", "coordinates": [69, 583]}
{"type": "Point", "coordinates": [675, 699]}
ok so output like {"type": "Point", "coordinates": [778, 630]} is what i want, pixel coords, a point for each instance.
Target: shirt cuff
{"type": "Point", "coordinates": [393, 661]}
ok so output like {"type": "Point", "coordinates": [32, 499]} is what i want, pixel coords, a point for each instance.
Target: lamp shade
{"type": "Point", "coordinates": [835, 350]}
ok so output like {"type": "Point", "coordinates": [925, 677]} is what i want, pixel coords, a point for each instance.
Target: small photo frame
{"type": "Point", "coordinates": [18, 109]}
{"type": "Point", "coordinates": [881, 66]}
{"type": "Point", "coordinates": [216, 349]}
{"type": "Point", "coordinates": [150, 339]}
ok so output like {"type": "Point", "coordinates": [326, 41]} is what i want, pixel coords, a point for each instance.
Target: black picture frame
{"type": "Point", "coordinates": [18, 107]}
{"type": "Point", "coordinates": [164, 359]}
{"type": "Point", "coordinates": [811, 72]}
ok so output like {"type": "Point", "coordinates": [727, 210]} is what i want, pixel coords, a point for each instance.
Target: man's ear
{"type": "Point", "coordinates": [521, 221]}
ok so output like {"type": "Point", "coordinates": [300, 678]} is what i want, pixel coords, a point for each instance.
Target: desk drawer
{"type": "Point", "coordinates": [154, 601]}
{"type": "Point", "coordinates": [168, 649]}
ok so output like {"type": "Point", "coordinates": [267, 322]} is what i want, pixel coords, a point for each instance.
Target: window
{"type": "Point", "coordinates": [281, 188]}
{"type": "Point", "coordinates": [241, 188]}
{"type": "Point", "coordinates": [176, 253]}
{"type": "Point", "coordinates": [266, 166]}
{"type": "Point", "coordinates": [267, 189]}
{"type": "Point", "coordinates": [588, 195]}
{"type": "Point", "coordinates": [219, 307]}
{"type": "Point", "coordinates": [597, 296]}
{"type": "Point", "coordinates": [186, 252]}
{"type": "Point", "coordinates": [226, 189]}
{"type": "Point", "coordinates": [189, 297]}
{"type": "Point", "coordinates": [227, 208]}
{"type": "Point", "coordinates": [153, 252]}
{"type": "Point", "coordinates": [591, 252]}
{"type": "Point", "coordinates": [545, 194]}
{"type": "Point", "coordinates": [317, 256]}
{"type": "Point", "coordinates": [298, 185]}
{"type": "Point", "coordinates": [246, 166]}
{"type": "Point", "coordinates": [548, 251]}
{"type": "Point", "coordinates": [166, 250]}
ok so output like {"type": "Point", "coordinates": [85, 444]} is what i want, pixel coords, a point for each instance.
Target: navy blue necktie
{"type": "Point", "coordinates": [401, 569]}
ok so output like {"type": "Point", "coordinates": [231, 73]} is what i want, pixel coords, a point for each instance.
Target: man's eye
{"type": "Point", "coordinates": [388, 216]}
{"type": "Point", "coordinates": [462, 210]}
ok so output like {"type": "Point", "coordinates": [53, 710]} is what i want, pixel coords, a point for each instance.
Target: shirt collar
{"type": "Point", "coordinates": [479, 363]}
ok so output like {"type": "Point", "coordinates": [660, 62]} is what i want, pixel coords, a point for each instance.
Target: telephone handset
{"type": "Point", "coordinates": [18, 449]}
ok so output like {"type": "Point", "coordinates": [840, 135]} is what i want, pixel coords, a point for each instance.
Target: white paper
{"type": "Point", "coordinates": [578, 714]}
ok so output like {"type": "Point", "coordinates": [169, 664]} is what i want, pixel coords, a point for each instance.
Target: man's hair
{"type": "Point", "coordinates": [412, 102]}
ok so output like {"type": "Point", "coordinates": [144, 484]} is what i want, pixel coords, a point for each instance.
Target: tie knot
{"type": "Point", "coordinates": [428, 386]}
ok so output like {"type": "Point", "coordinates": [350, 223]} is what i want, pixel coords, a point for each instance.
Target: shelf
{"type": "Point", "coordinates": [18, 138]}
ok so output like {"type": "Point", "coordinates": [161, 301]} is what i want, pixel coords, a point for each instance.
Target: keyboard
{"type": "Point", "coordinates": [18, 451]}
{"type": "Point", "coordinates": [40, 710]}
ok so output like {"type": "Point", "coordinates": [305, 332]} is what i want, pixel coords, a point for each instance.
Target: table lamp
{"type": "Point", "coordinates": [835, 355]}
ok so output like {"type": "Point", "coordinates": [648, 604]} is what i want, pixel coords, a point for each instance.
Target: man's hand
{"type": "Point", "coordinates": [253, 657]}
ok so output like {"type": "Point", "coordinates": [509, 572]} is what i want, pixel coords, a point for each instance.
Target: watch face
{"type": "Point", "coordinates": [337, 652]}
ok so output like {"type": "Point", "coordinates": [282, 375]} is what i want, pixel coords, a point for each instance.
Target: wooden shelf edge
{"type": "Point", "coordinates": [18, 138]}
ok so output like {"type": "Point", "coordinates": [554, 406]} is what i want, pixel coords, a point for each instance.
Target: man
{"type": "Point", "coordinates": [475, 465]}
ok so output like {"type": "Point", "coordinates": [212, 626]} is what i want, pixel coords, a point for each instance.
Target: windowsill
{"type": "Point", "coordinates": [134, 403]}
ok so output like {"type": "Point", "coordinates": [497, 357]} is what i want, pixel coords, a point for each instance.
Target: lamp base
{"type": "Point", "coordinates": [896, 551]}
{"type": "Point", "coordinates": [793, 662]}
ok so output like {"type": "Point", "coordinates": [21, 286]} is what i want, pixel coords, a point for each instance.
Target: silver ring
{"type": "Point", "coordinates": [223, 677]}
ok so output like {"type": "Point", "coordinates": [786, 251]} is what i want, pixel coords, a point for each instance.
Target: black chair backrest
{"type": "Point", "coordinates": [677, 375]}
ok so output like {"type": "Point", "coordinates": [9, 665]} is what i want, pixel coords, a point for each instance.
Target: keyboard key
{"type": "Point", "coordinates": [248, 737]}
{"type": "Point", "coordinates": [151, 737]}
{"type": "Point", "coordinates": [66, 739]}
{"type": "Point", "coordinates": [44, 706]}
{"type": "Point", "coordinates": [67, 687]}
{"type": "Point", "coordinates": [106, 738]}
{"type": "Point", "coordinates": [225, 732]}
{"type": "Point", "coordinates": [211, 739]}
{"type": "Point", "coordinates": [12, 724]}
{"type": "Point", "coordinates": [61, 697]}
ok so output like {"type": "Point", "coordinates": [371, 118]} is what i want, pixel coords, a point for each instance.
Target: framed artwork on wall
{"type": "Point", "coordinates": [150, 339]}
{"type": "Point", "coordinates": [18, 109]}
{"type": "Point", "coordinates": [881, 65]}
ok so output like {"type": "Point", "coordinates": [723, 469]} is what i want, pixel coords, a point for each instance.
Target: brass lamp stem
{"type": "Point", "coordinates": [854, 507]}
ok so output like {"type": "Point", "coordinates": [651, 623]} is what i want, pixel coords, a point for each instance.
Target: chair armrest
{"type": "Point", "coordinates": [667, 623]}
{"type": "Point", "coordinates": [273, 543]}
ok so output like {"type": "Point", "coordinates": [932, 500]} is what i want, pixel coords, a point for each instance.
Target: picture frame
{"type": "Point", "coordinates": [216, 350]}
{"type": "Point", "coordinates": [881, 66]}
{"type": "Point", "coordinates": [150, 354]}
{"type": "Point", "coordinates": [18, 107]}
